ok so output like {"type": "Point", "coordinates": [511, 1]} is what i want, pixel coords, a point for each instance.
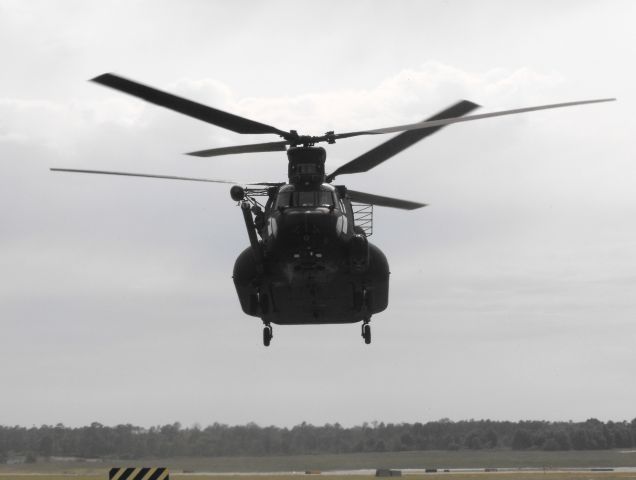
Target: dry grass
{"type": "Point", "coordinates": [399, 460]}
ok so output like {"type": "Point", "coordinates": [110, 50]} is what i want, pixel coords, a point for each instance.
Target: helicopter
{"type": "Point", "coordinates": [309, 259]}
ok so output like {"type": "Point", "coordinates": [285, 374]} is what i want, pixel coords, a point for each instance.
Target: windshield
{"type": "Point", "coordinates": [323, 198]}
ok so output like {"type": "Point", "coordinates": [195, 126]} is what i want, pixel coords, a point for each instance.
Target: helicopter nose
{"type": "Point", "coordinates": [315, 226]}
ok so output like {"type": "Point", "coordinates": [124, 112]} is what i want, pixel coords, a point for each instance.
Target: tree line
{"type": "Point", "coordinates": [173, 440]}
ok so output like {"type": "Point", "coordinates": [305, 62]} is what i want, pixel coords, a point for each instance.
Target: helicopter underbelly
{"type": "Point", "coordinates": [312, 291]}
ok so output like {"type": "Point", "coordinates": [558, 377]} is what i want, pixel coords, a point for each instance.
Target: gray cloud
{"type": "Point", "coordinates": [511, 293]}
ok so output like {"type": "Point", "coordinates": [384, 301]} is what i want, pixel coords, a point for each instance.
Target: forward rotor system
{"type": "Point", "coordinates": [410, 134]}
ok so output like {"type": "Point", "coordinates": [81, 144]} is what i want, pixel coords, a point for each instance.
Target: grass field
{"type": "Point", "coordinates": [301, 463]}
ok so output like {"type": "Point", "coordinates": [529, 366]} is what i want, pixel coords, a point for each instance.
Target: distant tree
{"type": "Point", "coordinates": [521, 440]}
{"type": "Point", "coordinates": [539, 437]}
{"type": "Point", "coordinates": [473, 441]}
{"type": "Point", "coordinates": [407, 441]}
{"type": "Point", "coordinates": [550, 445]}
{"type": "Point", "coordinates": [129, 441]}
{"type": "Point", "coordinates": [563, 439]}
{"type": "Point", "coordinates": [490, 439]}
{"type": "Point", "coordinates": [46, 446]}
{"type": "Point", "coordinates": [580, 439]}
{"type": "Point", "coordinates": [622, 437]}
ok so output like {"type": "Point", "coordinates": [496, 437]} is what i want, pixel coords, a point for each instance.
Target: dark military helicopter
{"type": "Point", "coordinates": [309, 259]}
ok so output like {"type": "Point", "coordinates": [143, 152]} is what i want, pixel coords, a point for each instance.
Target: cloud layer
{"type": "Point", "coordinates": [510, 294]}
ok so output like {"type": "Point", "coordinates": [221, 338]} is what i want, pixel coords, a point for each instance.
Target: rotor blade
{"type": "Point", "coordinates": [187, 107]}
{"type": "Point", "coordinates": [253, 148]}
{"type": "Point", "coordinates": [383, 201]}
{"type": "Point", "coordinates": [386, 150]}
{"type": "Point", "coordinates": [167, 177]}
{"type": "Point", "coordinates": [448, 121]}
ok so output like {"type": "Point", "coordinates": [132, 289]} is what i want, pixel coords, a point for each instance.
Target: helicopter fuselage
{"type": "Point", "coordinates": [312, 264]}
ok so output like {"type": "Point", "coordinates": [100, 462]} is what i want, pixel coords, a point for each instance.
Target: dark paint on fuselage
{"type": "Point", "coordinates": [316, 267]}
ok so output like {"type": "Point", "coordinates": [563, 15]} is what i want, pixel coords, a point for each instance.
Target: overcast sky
{"type": "Point", "coordinates": [512, 294]}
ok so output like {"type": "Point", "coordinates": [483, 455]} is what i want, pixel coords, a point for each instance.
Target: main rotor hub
{"type": "Point", "coordinates": [308, 140]}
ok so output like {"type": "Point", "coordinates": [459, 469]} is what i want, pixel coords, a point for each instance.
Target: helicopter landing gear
{"type": "Point", "coordinates": [362, 300]}
{"type": "Point", "coordinates": [366, 331]}
{"type": "Point", "coordinates": [268, 334]}
{"type": "Point", "coordinates": [263, 302]}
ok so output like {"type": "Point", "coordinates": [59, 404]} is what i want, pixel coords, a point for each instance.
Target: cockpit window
{"type": "Point", "coordinates": [304, 199]}
{"type": "Point", "coordinates": [283, 199]}
{"type": "Point", "coordinates": [313, 198]}
{"type": "Point", "coordinates": [326, 199]}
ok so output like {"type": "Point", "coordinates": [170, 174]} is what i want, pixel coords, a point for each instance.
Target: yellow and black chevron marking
{"type": "Point", "coordinates": [131, 473]}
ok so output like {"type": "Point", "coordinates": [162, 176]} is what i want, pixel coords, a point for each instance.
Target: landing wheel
{"type": "Point", "coordinates": [267, 335]}
{"type": "Point", "coordinates": [366, 333]}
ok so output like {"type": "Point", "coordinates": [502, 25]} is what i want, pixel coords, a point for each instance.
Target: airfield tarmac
{"type": "Point", "coordinates": [505, 473]}
{"type": "Point", "coordinates": [464, 474]}
{"type": "Point", "coordinates": [417, 473]}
